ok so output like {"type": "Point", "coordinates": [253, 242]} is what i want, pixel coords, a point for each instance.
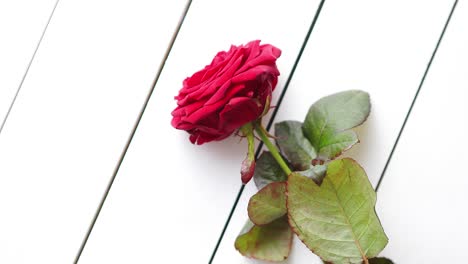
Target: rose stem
{"type": "Point", "coordinates": [248, 132]}
{"type": "Point", "coordinates": [271, 147]}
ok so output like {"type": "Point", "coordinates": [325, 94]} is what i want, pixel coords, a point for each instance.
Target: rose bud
{"type": "Point", "coordinates": [233, 90]}
{"type": "Point", "coordinates": [248, 165]}
{"type": "Point", "coordinates": [247, 170]}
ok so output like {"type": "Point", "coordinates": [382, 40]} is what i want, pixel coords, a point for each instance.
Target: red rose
{"type": "Point", "coordinates": [230, 92]}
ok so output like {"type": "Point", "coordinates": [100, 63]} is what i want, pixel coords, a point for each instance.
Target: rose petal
{"type": "Point", "coordinates": [252, 73]}
{"type": "Point", "coordinates": [231, 91]}
{"type": "Point", "coordinates": [200, 137]}
{"type": "Point", "coordinates": [202, 113]}
{"type": "Point", "coordinates": [212, 87]}
{"type": "Point", "coordinates": [221, 92]}
{"type": "Point", "coordinates": [251, 50]}
{"type": "Point", "coordinates": [238, 112]}
{"type": "Point", "coordinates": [267, 56]}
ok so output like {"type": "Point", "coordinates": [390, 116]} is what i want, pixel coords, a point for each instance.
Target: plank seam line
{"type": "Point", "coordinates": [135, 127]}
{"type": "Point", "coordinates": [270, 122]}
{"type": "Point", "coordinates": [416, 95]}
{"type": "Point", "coordinates": [27, 68]}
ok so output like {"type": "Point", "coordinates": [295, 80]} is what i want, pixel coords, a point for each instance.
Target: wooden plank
{"type": "Point", "coordinates": [171, 199]}
{"type": "Point", "coordinates": [72, 120]}
{"type": "Point", "coordinates": [422, 199]}
{"type": "Point", "coordinates": [22, 23]}
{"type": "Point", "coordinates": [374, 46]}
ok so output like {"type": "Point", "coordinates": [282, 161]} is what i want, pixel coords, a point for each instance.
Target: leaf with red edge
{"type": "Point", "coordinates": [316, 173]}
{"type": "Point", "coordinates": [271, 242]}
{"type": "Point", "coordinates": [267, 170]}
{"type": "Point", "coordinates": [268, 204]}
{"type": "Point", "coordinates": [337, 219]}
{"type": "Point", "coordinates": [329, 120]}
{"type": "Point", "coordinates": [294, 145]}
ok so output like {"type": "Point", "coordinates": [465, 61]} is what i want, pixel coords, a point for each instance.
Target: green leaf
{"type": "Point", "coordinates": [267, 171]}
{"type": "Point", "coordinates": [294, 145]}
{"type": "Point", "coordinates": [268, 204]}
{"type": "Point", "coordinates": [328, 122]}
{"type": "Point", "coordinates": [271, 242]}
{"type": "Point", "coordinates": [380, 261]}
{"type": "Point", "coordinates": [337, 219]}
{"type": "Point", "coordinates": [316, 173]}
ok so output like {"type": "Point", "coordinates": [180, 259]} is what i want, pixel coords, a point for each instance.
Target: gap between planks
{"type": "Point", "coordinates": [416, 95]}
{"type": "Point", "coordinates": [135, 127]}
{"type": "Point", "coordinates": [270, 123]}
{"type": "Point", "coordinates": [284, 92]}
{"type": "Point", "coordinates": [27, 68]}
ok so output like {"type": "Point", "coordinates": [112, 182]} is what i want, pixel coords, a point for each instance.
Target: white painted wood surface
{"type": "Point", "coordinates": [374, 46]}
{"type": "Point", "coordinates": [72, 119]}
{"type": "Point", "coordinates": [171, 199]}
{"type": "Point", "coordinates": [96, 65]}
{"type": "Point", "coordinates": [21, 25]}
{"type": "Point", "coordinates": [422, 199]}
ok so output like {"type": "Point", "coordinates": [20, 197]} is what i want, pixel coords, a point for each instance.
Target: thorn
{"type": "Point", "coordinates": [270, 135]}
{"type": "Point", "coordinates": [241, 137]}
{"type": "Point", "coordinates": [238, 134]}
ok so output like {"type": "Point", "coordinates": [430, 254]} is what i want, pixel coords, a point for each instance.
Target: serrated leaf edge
{"type": "Point", "coordinates": [249, 211]}
{"type": "Point", "coordinates": [294, 225]}
{"type": "Point", "coordinates": [342, 130]}
{"type": "Point", "coordinates": [339, 153]}
{"type": "Point", "coordinates": [290, 219]}
{"type": "Point", "coordinates": [265, 259]}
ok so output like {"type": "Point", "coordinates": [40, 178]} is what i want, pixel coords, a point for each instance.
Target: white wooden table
{"type": "Point", "coordinates": [91, 170]}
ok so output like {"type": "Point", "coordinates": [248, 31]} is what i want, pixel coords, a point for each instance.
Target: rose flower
{"type": "Point", "coordinates": [233, 90]}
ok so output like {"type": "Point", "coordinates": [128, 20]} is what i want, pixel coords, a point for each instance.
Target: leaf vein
{"type": "Point", "coordinates": [356, 242]}
{"type": "Point", "coordinates": [359, 208]}
{"type": "Point", "coordinates": [308, 217]}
